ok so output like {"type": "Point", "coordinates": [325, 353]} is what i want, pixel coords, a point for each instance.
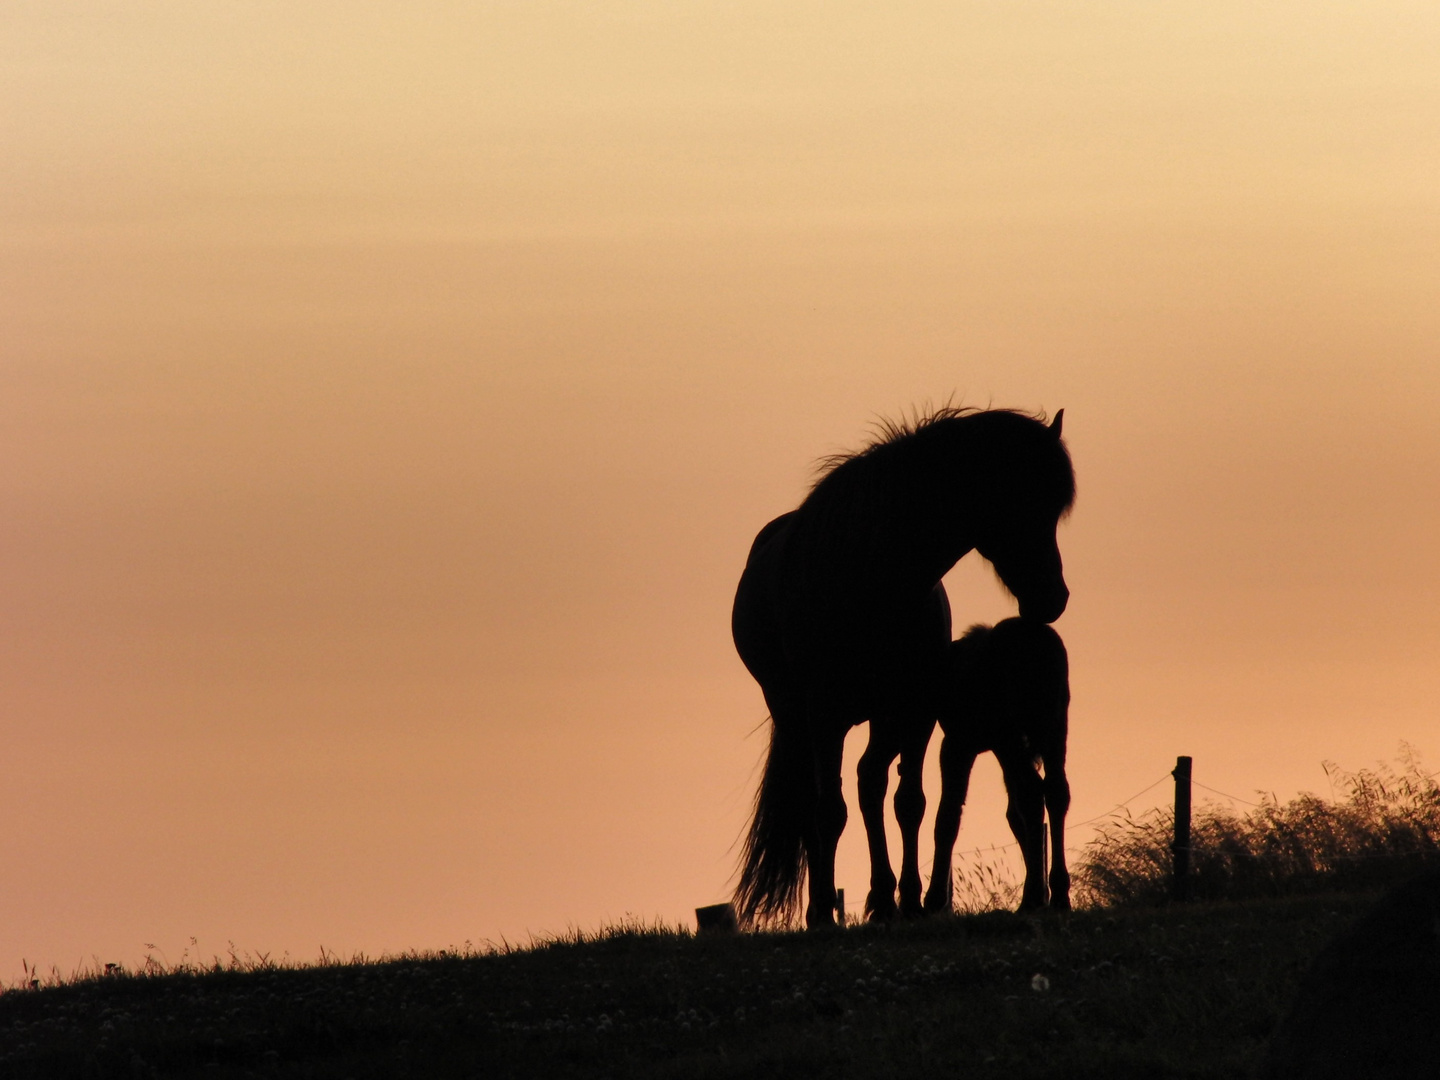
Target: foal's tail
{"type": "Point", "coordinates": [773, 861]}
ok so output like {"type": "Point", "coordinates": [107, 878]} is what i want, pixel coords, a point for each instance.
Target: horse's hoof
{"type": "Point", "coordinates": [936, 904]}
{"type": "Point", "coordinates": [911, 908]}
{"type": "Point", "coordinates": [820, 920]}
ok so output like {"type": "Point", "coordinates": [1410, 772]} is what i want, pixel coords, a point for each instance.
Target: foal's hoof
{"type": "Point", "coordinates": [880, 908]}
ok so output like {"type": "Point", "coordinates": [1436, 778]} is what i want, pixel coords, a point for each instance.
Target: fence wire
{"type": "Point", "coordinates": [1423, 850]}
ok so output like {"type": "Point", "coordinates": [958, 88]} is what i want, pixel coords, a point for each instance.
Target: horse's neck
{"type": "Point", "coordinates": [937, 538]}
{"type": "Point", "coordinates": [906, 547]}
{"type": "Point", "coordinates": [934, 565]}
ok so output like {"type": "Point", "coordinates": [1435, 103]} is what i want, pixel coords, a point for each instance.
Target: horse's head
{"type": "Point", "coordinates": [1027, 559]}
{"type": "Point", "coordinates": [1031, 489]}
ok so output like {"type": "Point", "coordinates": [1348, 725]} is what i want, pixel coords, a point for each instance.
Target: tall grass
{"type": "Point", "coordinates": [983, 885]}
{"type": "Point", "coordinates": [1382, 826]}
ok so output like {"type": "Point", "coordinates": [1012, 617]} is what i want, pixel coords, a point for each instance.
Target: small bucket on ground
{"type": "Point", "coordinates": [716, 919]}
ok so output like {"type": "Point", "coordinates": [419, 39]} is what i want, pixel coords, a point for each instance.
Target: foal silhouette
{"type": "Point", "coordinates": [1007, 691]}
{"type": "Point", "coordinates": [841, 618]}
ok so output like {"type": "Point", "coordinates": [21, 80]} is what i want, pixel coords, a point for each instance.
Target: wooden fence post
{"type": "Point", "coordinates": [1180, 849]}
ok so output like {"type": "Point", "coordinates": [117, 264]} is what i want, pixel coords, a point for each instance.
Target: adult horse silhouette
{"type": "Point", "coordinates": [1007, 690]}
{"type": "Point", "coordinates": [841, 618]}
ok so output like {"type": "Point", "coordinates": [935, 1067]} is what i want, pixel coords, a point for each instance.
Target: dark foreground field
{"type": "Point", "coordinates": [1184, 991]}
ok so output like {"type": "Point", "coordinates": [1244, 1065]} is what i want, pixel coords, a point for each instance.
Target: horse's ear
{"type": "Point", "coordinates": [1057, 423]}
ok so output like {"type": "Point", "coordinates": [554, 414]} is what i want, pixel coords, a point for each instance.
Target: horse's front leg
{"type": "Point", "coordinates": [824, 836]}
{"type": "Point", "coordinates": [1026, 814]}
{"type": "Point", "coordinates": [873, 776]}
{"type": "Point", "coordinates": [957, 759]}
{"type": "Point", "coordinates": [910, 812]}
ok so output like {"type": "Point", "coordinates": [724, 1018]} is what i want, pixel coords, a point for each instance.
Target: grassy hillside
{"type": "Point", "coordinates": [1130, 987]}
{"type": "Point", "coordinates": [1188, 991]}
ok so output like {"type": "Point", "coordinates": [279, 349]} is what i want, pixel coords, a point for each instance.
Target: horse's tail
{"type": "Point", "coordinates": [773, 864]}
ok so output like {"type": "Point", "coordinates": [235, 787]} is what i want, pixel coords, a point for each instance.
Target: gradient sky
{"type": "Point", "coordinates": [389, 394]}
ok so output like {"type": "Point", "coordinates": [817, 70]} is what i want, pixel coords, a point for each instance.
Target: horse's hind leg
{"type": "Point", "coordinates": [824, 836]}
{"type": "Point", "coordinates": [909, 813]}
{"type": "Point", "coordinates": [873, 778]}
{"type": "Point", "coordinates": [957, 759]}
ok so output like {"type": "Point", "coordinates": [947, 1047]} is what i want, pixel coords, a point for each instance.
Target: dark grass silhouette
{"type": "Point", "coordinates": [1382, 829]}
{"type": "Point", "coordinates": [1185, 991]}
{"type": "Point", "coordinates": [841, 618]}
{"type": "Point", "coordinates": [1007, 692]}
{"type": "Point", "coordinates": [1370, 1003]}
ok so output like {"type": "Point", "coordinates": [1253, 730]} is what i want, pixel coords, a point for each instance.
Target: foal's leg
{"type": "Point", "coordinates": [1026, 814]}
{"type": "Point", "coordinates": [1057, 803]}
{"type": "Point", "coordinates": [823, 838]}
{"type": "Point", "coordinates": [873, 776]}
{"type": "Point", "coordinates": [957, 758]}
{"type": "Point", "coordinates": [910, 811]}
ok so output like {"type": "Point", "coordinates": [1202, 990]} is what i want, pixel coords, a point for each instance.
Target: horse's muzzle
{"type": "Point", "coordinates": [1045, 610]}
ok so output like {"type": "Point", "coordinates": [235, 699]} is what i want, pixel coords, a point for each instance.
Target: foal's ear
{"type": "Point", "coordinates": [1057, 423]}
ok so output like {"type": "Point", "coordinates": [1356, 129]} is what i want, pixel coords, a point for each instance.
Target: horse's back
{"type": "Point", "coordinates": [792, 634]}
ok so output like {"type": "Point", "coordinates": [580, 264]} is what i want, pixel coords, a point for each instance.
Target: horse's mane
{"type": "Point", "coordinates": [976, 631]}
{"type": "Point", "coordinates": [968, 645]}
{"type": "Point", "coordinates": [869, 504]}
{"type": "Point", "coordinates": [908, 430]}
{"type": "Point", "coordinates": [888, 432]}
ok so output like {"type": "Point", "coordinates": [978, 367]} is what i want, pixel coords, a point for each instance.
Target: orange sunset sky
{"type": "Point", "coordinates": [389, 394]}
